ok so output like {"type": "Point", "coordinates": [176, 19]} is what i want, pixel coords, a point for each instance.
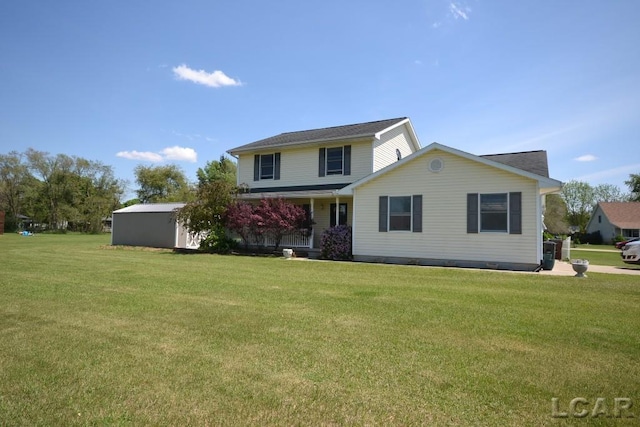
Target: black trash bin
{"type": "Point", "coordinates": [548, 255]}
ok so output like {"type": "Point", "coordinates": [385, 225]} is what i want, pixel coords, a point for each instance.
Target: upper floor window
{"type": "Point", "coordinates": [334, 161]}
{"type": "Point", "coordinates": [266, 166]}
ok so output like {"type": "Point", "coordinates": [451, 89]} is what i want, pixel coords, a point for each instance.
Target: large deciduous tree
{"type": "Point", "coordinates": [579, 198]}
{"type": "Point", "coordinates": [609, 193]}
{"type": "Point", "coordinates": [207, 210]}
{"type": "Point", "coordinates": [162, 184]}
{"type": "Point", "coordinates": [54, 174]}
{"type": "Point", "coordinates": [14, 180]}
{"type": "Point", "coordinates": [218, 170]}
{"type": "Point", "coordinates": [555, 214]}
{"type": "Point", "coordinates": [634, 186]}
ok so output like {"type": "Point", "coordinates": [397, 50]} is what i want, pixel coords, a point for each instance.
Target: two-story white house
{"type": "Point", "coordinates": [406, 204]}
{"type": "Point", "coordinates": [309, 167]}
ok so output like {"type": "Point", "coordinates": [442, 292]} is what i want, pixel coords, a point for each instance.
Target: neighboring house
{"type": "Point", "coordinates": [433, 206]}
{"type": "Point", "coordinates": [614, 219]}
{"type": "Point", "coordinates": [151, 225]}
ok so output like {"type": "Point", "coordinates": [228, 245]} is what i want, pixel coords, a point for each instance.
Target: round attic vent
{"type": "Point", "coordinates": [436, 165]}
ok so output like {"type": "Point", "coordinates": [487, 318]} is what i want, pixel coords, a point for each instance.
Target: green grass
{"type": "Point", "coordinates": [92, 335]}
{"type": "Point", "coordinates": [602, 258]}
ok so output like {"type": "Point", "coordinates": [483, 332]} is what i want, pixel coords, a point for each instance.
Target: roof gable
{"type": "Point", "coordinates": [622, 214]}
{"type": "Point", "coordinates": [544, 181]}
{"type": "Point", "coordinates": [353, 131]}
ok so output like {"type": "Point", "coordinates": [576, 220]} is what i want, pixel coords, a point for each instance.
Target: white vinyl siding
{"type": "Point", "coordinates": [299, 166]}
{"type": "Point", "coordinates": [444, 216]}
{"type": "Point", "coordinates": [384, 150]}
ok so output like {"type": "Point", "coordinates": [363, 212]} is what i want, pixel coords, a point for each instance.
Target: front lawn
{"type": "Point", "coordinates": [98, 335]}
{"type": "Point", "coordinates": [602, 258]}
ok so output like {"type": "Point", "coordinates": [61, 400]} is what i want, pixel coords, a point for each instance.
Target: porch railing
{"type": "Point", "coordinates": [290, 241]}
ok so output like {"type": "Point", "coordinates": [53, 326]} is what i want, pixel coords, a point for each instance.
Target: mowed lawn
{"type": "Point", "coordinates": [94, 335]}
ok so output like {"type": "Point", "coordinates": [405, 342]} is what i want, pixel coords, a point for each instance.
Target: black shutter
{"type": "Point", "coordinates": [472, 213]}
{"type": "Point", "coordinates": [417, 213]}
{"type": "Point", "coordinates": [321, 161]}
{"type": "Point", "coordinates": [256, 167]}
{"type": "Point", "coordinates": [276, 166]}
{"type": "Point", "coordinates": [347, 160]}
{"type": "Point", "coordinates": [383, 210]}
{"type": "Point", "coordinates": [515, 213]}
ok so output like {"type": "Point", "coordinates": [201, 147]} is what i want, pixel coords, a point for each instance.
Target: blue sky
{"type": "Point", "coordinates": [130, 82]}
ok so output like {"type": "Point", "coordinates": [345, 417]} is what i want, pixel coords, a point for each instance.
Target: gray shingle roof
{"type": "Point", "coordinates": [358, 130]}
{"type": "Point", "coordinates": [530, 161]}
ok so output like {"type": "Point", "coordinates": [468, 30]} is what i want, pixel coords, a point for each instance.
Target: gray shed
{"type": "Point", "coordinates": [152, 225]}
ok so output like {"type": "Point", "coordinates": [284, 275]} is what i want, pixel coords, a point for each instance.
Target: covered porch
{"type": "Point", "coordinates": [324, 207]}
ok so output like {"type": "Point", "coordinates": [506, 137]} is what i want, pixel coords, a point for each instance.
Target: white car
{"type": "Point", "coordinates": [631, 253]}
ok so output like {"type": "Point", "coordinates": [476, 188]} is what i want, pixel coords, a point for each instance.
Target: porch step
{"type": "Point", "coordinates": [310, 253]}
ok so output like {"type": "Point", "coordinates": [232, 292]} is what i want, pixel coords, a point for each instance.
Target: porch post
{"type": "Point", "coordinates": [312, 210]}
{"type": "Point", "coordinates": [337, 210]}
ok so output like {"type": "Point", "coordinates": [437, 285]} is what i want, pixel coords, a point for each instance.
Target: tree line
{"type": "Point", "coordinates": [577, 200]}
{"type": "Point", "coordinates": [39, 190]}
{"type": "Point", "coordinates": [59, 191]}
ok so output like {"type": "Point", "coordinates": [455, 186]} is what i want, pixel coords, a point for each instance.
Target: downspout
{"type": "Point", "coordinates": [353, 221]}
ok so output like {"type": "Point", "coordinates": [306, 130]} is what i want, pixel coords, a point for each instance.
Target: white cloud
{"type": "Point", "coordinates": [620, 171]}
{"type": "Point", "coordinates": [178, 153]}
{"type": "Point", "coordinates": [459, 11]}
{"type": "Point", "coordinates": [215, 79]}
{"type": "Point", "coordinates": [586, 158]}
{"type": "Point", "coordinates": [147, 156]}
{"type": "Point", "coordinates": [436, 25]}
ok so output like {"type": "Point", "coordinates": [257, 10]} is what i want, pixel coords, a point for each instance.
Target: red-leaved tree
{"type": "Point", "coordinates": [239, 218]}
{"type": "Point", "coordinates": [273, 217]}
{"type": "Point", "coordinates": [280, 218]}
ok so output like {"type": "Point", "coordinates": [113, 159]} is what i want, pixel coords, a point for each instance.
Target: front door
{"type": "Point", "coordinates": [342, 215]}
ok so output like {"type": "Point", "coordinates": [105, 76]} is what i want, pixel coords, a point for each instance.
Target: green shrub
{"type": "Point", "coordinates": [335, 243]}
{"type": "Point", "coordinates": [218, 242]}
